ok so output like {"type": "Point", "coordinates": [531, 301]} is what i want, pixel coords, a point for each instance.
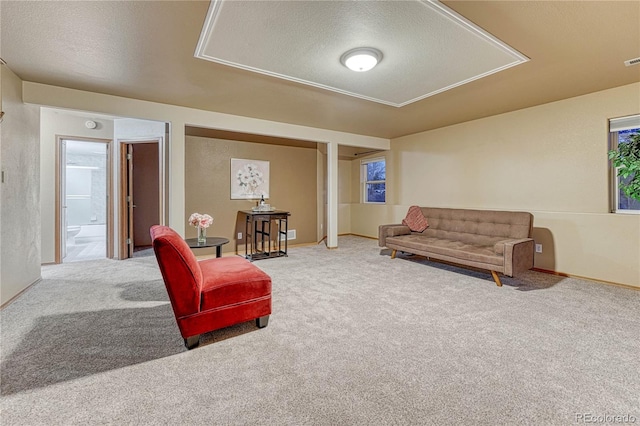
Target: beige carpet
{"type": "Point", "coordinates": [355, 338]}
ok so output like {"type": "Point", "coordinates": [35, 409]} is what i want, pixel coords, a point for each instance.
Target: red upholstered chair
{"type": "Point", "coordinates": [209, 294]}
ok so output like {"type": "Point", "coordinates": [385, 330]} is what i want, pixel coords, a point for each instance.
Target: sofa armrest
{"type": "Point", "coordinates": [518, 256]}
{"type": "Point", "coordinates": [392, 230]}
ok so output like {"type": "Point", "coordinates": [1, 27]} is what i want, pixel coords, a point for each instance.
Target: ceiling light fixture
{"type": "Point", "coordinates": [361, 59]}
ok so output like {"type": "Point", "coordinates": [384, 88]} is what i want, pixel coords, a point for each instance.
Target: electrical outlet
{"type": "Point", "coordinates": [538, 248]}
{"type": "Point", "coordinates": [239, 235]}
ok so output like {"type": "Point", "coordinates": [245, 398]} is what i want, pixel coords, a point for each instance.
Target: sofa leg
{"type": "Point", "coordinates": [393, 253]}
{"type": "Point", "coordinates": [496, 278]}
{"type": "Point", "coordinates": [192, 341]}
{"type": "Point", "coordinates": [262, 321]}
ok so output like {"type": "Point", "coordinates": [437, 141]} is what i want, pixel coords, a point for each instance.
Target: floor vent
{"type": "Point", "coordinates": [630, 62]}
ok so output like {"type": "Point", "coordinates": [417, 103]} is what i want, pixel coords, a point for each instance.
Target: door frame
{"type": "Point", "coordinates": [124, 211]}
{"type": "Point", "coordinates": [58, 194]}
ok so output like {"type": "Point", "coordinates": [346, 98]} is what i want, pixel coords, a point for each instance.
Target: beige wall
{"type": "Point", "coordinates": [179, 117]}
{"type": "Point", "coordinates": [20, 192]}
{"type": "Point", "coordinates": [513, 160]}
{"type": "Point", "coordinates": [53, 124]}
{"type": "Point", "coordinates": [344, 196]}
{"type": "Point", "coordinates": [550, 160]}
{"type": "Point", "coordinates": [72, 123]}
{"type": "Point", "coordinates": [292, 186]}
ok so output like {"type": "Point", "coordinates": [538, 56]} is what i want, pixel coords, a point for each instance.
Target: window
{"type": "Point", "coordinates": [621, 129]}
{"type": "Point", "coordinates": [374, 178]}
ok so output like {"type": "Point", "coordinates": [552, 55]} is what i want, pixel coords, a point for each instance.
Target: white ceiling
{"type": "Point", "coordinates": [427, 48]}
{"type": "Point", "coordinates": [145, 50]}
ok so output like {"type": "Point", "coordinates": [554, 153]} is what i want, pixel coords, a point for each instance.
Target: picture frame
{"type": "Point", "coordinates": [249, 179]}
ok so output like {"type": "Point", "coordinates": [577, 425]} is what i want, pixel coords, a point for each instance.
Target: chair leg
{"type": "Point", "coordinates": [192, 341]}
{"type": "Point", "coordinates": [262, 321]}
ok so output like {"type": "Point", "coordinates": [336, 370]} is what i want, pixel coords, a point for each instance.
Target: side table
{"type": "Point", "coordinates": [216, 242]}
{"type": "Point", "coordinates": [259, 237]}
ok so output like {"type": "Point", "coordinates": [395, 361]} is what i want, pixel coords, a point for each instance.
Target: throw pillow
{"type": "Point", "coordinates": [415, 220]}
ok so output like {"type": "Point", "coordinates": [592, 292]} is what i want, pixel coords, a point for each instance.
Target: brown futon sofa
{"type": "Point", "coordinates": [499, 241]}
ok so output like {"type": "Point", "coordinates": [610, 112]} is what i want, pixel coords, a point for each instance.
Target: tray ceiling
{"type": "Point", "coordinates": [145, 50]}
{"type": "Point", "coordinates": [427, 48]}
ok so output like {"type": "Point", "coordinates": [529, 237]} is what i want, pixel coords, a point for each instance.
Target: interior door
{"type": "Point", "coordinates": [130, 203]}
{"type": "Point", "coordinates": [140, 200]}
{"type": "Point", "coordinates": [63, 199]}
{"type": "Point", "coordinates": [146, 188]}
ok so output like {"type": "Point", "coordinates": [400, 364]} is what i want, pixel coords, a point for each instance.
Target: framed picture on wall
{"type": "Point", "coordinates": [249, 179]}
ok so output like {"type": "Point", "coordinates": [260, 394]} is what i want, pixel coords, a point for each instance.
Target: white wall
{"type": "Point", "coordinates": [20, 191]}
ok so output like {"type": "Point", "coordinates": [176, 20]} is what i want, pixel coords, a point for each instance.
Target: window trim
{"type": "Point", "coordinates": [365, 182]}
{"type": "Point", "coordinates": [615, 126]}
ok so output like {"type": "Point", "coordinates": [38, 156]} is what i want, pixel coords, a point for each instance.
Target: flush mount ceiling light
{"type": "Point", "coordinates": [361, 59]}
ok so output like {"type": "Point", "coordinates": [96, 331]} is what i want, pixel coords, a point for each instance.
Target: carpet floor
{"type": "Point", "coordinates": [355, 338]}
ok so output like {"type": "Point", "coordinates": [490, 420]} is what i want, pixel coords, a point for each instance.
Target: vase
{"type": "Point", "coordinates": [202, 234]}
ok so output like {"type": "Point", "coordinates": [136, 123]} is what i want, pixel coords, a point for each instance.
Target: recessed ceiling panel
{"type": "Point", "coordinates": [427, 48]}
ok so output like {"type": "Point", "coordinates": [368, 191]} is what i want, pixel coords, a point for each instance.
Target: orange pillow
{"type": "Point", "coordinates": [415, 220]}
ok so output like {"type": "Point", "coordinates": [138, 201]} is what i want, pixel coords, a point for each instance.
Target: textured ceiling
{"type": "Point", "coordinates": [427, 48]}
{"type": "Point", "coordinates": [145, 50]}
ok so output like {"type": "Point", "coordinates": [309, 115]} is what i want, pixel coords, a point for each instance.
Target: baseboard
{"type": "Point", "coordinates": [8, 302]}
{"type": "Point", "coordinates": [358, 235]}
{"type": "Point", "coordinates": [562, 274]}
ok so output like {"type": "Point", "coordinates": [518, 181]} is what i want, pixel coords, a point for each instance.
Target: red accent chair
{"type": "Point", "coordinates": [209, 294]}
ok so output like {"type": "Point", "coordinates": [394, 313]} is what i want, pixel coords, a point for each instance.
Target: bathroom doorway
{"type": "Point", "coordinates": [83, 199]}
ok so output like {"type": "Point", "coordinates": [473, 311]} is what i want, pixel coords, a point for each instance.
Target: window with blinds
{"type": "Point", "coordinates": [374, 180]}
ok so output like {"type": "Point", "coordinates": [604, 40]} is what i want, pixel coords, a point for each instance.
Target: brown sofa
{"type": "Point", "coordinates": [499, 241]}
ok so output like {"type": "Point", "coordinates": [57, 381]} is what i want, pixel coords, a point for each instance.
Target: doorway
{"type": "Point", "coordinates": [140, 195]}
{"type": "Point", "coordinates": [83, 199]}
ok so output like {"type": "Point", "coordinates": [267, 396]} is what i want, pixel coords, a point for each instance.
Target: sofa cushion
{"type": "Point", "coordinates": [415, 220]}
{"type": "Point", "coordinates": [225, 278]}
{"type": "Point", "coordinates": [450, 248]}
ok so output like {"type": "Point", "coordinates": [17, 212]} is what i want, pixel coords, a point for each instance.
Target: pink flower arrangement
{"type": "Point", "coordinates": [201, 220]}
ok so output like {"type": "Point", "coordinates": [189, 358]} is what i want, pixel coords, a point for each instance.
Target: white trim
{"type": "Point", "coordinates": [364, 182]}
{"type": "Point", "coordinates": [616, 126]}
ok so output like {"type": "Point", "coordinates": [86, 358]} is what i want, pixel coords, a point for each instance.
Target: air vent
{"type": "Point", "coordinates": [291, 235]}
{"type": "Point", "coordinates": [630, 62]}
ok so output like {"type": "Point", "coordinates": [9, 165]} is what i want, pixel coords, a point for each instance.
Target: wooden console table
{"type": "Point", "coordinates": [258, 234]}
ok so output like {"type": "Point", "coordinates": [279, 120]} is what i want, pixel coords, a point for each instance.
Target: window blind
{"type": "Point", "coordinates": [624, 123]}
